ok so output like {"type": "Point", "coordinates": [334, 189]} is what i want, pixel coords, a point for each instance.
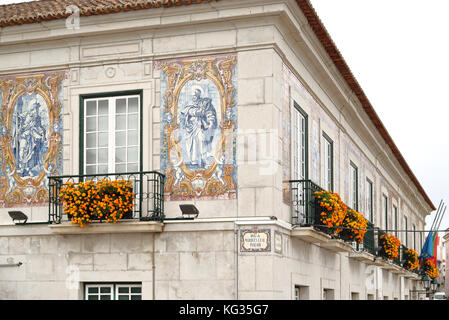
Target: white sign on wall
{"type": "Point", "coordinates": [255, 240]}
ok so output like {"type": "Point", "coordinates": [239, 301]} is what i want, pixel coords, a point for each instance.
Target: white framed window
{"type": "Point", "coordinates": [299, 143]}
{"type": "Point", "coordinates": [369, 212]}
{"type": "Point", "coordinates": [99, 292]}
{"type": "Point", "coordinates": [128, 291]}
{"type": "Point", "coordinates": [328, 162]}
{"type": "Point", "coordinates": [385, 211]}
{"type": "Point", "coordinates": [354, 192]}
{"type": "Point", "coordinates": [113, 291]}
{"type": "Point", "coordinates": [328, 294]}
{"type": "Point", "coordinates": [395, 220]}
{"type": "Point", "coordinates": [111, 134]}
{"type": "Point", "coordinates": [414, 237]}
{"type": "Point", "coordinates": [405, 231]}
{"type": "Point", "coordinates": [301, 292]}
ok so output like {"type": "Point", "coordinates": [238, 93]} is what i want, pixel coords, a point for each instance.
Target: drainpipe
{"type": "Point", "coordinates": [236, 267]}
{"type": "Point", "coordinates": [153, 268]}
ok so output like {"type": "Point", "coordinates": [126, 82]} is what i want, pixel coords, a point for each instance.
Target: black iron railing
{"type": "Point", "coordinates": [304, 202]}
{"type": "Point", "coordinates": [368, 240]}
{"type": "Point", "coordinates": [147, 186]}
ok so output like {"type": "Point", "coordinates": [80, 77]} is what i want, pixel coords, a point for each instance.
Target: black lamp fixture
{"type": "Point", "coordinates": [189, 211]}
{"type": "Point", "coordinates": [434, 285]}
{"type": "Point", "coordinates": [426, 282]}
{"type": "Point", "coordinates": [18, 215]}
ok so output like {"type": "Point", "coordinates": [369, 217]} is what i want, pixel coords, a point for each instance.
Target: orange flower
{"type": "Point", "coordinates": [390, 245]}
{"type": "Point", "coordinates": [101, 200]}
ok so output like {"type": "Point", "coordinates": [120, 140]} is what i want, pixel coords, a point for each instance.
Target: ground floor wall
{"type": "Point", "coordinates": [202, 259]}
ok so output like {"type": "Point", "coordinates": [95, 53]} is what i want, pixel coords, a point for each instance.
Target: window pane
{"type": "Point", "coordinates": [103, 169]}
{"type": "Point", "coordinates": [91, 156]}
{"type": "Point", "coordinates": [92, 297]}
{"type": "Point", "coordinates": [92, 290]}
{"type": "Point", "coordinates": [103, 123]}
{"type": "Point", "coordinates": [103, 107]}
{"type": "Point", "coordinates": [133, 167]}
{"type": "Point", "coordinates": [136, 297]}
{"type": "Point", "coordinates": [120, 155]}
{"type": "Point", "coordinates": [123, 290]}
{"type": "Point", "coordinates": [105, 297]}
{"type": "Point", "coordinates": [103, 155]}
{"type": "Point", "coordinates": [120, 106]}
{"type": "Point", "coordinates": [91, 108]}
{"type": "Point", "coordinates": [103, 139]}
{"type": "Point", "coordinates": [91, 169]}
{"type": "Point", "coordinates": [132, 121]}
{"type": "Point", "coordinates": [91, 140]}
{"type": "Point", "coordinates": [136, 289]}
{"type": "Point", "coordinates": [132, 137]}
{"type": "Point", "coordinates": [123, 297]}
{"type": "Point", "coordinates": [120, 123]}
{"type": "Point", "coordinates": [120, 138]}
{"type": "Point", "coordinates": [91, 124]}
{"type": "Point", "coordinates": [105, 290]}
{"type": "Point", "coordinates": [133, 105]}
{"type": "Point", "coordinates": [120, 168]}
{"type": "Point", "coordinates": [132, 154]}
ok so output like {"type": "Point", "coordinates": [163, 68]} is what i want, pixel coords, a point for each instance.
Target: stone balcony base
{"type": "Point", "coordinates": [362, 256]}
{"type": "Point", "coordinates": [337, 245]}
{"type": "Point", "coordinates": [309, 234]}
{"type": "Point", "coordinates": [119, 227]}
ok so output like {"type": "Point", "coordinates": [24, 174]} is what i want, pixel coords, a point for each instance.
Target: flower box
{"type": "Point", "coordinates": [105, 200]}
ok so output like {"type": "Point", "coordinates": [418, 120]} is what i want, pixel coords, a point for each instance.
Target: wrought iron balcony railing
{"type": "Point", "coordinates": [147, 186]}
{"type": "Point", "coordinates": [304, 202]}
{"type": "Point", "coordinates": [368, 244]}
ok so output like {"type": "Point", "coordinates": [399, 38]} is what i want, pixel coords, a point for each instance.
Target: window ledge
{"type": "Point", "coordinates": [119, 227]}
{"type": "Point", "coordinates": [337, 245]}
{"type": "Point", "coordinates": [362, 256]}
{"type": "Point", "coordinates": [309, 234]}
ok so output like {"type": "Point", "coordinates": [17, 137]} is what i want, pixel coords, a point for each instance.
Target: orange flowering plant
{"type": "Point", "coordinates": [389, 245]}
{"type": "Point", "coordinates": [356, 225]}
{"type": "Point", "coordinates": [333, 211]}
{"type": "Point", "coordinates": [411, 259]}
{"type": "Point", "coordinates": [430, 269]}
{"type": "Point", "coordinates": [102, 200]}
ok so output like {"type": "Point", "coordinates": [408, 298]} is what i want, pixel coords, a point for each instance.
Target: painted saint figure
{"type": "Point", "coordinates": [29, 145]}
{"type": "Point", "coordinates": [199, 120]}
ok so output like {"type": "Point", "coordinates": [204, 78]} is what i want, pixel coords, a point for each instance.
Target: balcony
{"type": "Point", "coordinates": [146, 215]}
{"type": "Point", "coordinates": [365, 251]}
{"type": "Point", "coordinates": [304, 212]}
{"type": "Point", "coordinates": [307, 226]}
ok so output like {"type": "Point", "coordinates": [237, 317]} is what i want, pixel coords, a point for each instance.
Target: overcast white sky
{"type": "Point", "coordinates": [398, 50]}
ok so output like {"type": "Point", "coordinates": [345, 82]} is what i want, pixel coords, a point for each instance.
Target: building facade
{"type": "Point", "coordinates": [237, 107]}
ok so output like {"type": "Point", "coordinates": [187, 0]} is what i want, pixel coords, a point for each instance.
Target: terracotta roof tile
{"type": "Point", "coordinates": [44, 10]}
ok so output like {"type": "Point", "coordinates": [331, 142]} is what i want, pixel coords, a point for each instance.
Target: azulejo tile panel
{"type": "Point", "coordinates": [199, 127]}
{"type": "Point", "coordinates": [30, 136]}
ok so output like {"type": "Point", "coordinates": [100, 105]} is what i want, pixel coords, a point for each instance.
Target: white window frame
{"type": "Point", "coordinates": [112, 130]}
{"type": "Point", "coordinates": [395, 219]}
{"type": "Point", "coordinates": [354, 181]}
{"type": "Point", "coordinates": [414, 236]}
{"type": "Point", "coordinates": [328, 162]}
{"type": "Point", "coordinates": [369, 200]}
{"type": "Point", "coordinates": [99, 294]}
{"type": "Point", "coordinates": [405, 231]}
{"type": "Point", "coordinates": [385, 211]}
{"type": "Point", "coordinates": [114, 290]}
{"type": "Point", "coordinates": [299, 143]}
